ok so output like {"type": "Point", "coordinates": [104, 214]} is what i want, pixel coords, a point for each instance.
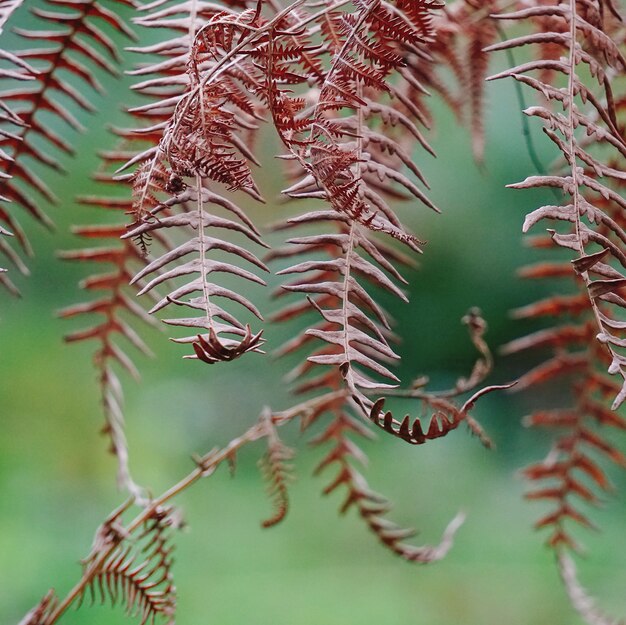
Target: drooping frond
{"type": "Point", "coordinates": [214, 320]}
{"type": "Point", "coordinates": [65, 66]}
{"type": "Point", "coordinates": [116, 308]}
{"type": "Point", "coordinates": [580, 48]}
{"type": "Point", "coordinates": [588, 138]}
{"type": "Point", "coordinates": [571, 477]}
{"type": "Point", "coordinates": [351, 148]}
{"type": "Point", "coordinates": [198, 155]}
{"type": "Point", "coordinates": [277, 473]}
{"type": "Point", "coordinates": [372, 507]}
{"type": "Point", "coordinates": [354, 165]}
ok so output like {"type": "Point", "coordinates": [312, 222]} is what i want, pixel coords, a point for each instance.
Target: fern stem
{"type": "Point", "coordinates": [345, 300]}
{"type": "Point", "coordinates": [349, 378]}
{"type": "Point", "coordinates": [202, 246]}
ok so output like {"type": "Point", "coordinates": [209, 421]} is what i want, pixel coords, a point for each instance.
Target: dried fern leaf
{"type": "Point", "coordinates": [586, 37]}
{"type": "Point", "coordinates": [371, 506]}
{"type": "Point", "coordinates": [134, 570]}
{"type": "Point", "coordinates": [277, 473]}
{"type": "Point", "coordinates": [199, 145]}
{"type": "Point", "coordinates": [75, 46]}
{"type": "Point", "coordinates": [117, 309]}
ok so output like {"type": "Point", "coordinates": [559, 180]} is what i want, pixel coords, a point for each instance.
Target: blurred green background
{"type": "Point", "coordinates": [57, 481]}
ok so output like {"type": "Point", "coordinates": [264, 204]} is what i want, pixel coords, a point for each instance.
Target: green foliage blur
{"type": "Point", "coordinates": [57, 480]}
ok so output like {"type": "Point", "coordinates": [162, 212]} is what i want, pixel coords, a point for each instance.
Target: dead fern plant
{"type": "Point", "coordinates": [344, 85]}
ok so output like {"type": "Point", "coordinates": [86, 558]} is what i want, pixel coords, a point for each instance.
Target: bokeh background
{"type": "Point", "coordinates": [57, 481]}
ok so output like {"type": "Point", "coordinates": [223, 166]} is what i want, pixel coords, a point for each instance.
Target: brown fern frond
{"type": "Point", "coordinates": [366, 340]}
{"type": "Point", "coordinates": [75, 38]}
{"type": "Point", "coordinates": [352, 159]}
{"type": "Point", "coordinates": [354, 165]}
{"type": "Point", "coordinates": [198, 144]}
{"type": "Point", "coordinates": [214, 319]}
{"type": "Point", "coordinates": [582, 435]}
{"type": "Point", "coordinates": [131, 560]}
{"type": "Point", "coordinates": [136, 571]}
{"type": "Point", "coordinates": [572, 478]}
{"type": "Point", "coordinates": [372, 507]}
{"type": "Point", "coordinates": [277, 473]}
{"type": "Point", "coordinates": [586, 37]}
{"type": "Point", "coordinates": [116, 308]}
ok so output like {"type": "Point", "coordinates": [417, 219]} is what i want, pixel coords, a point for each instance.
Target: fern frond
{"type": "Point", "coordinates": [64, 67]}
{"type": "Point", "coordinates": [586, 39]}
{"type": "Point", "coordinates": [198, 145]}
{"type": "Point", "coordinates": [573, 476]}
{"type": "Point", "coordinates": [277, 473]}
{"type": "Point", "coordinates": [116, 308]}
{"type": "Point", "coordinates": [571, 472]}
{"type": "Point", "coordinates": [214, 320]}
{"type": "Point", "coordinates": [372, 507]}
{"type": "Point", "coordinates": [352, 156]}
{"type": "Point", "coordinates": [136, 571]}
{"type": "Point", "coordinates": [348, 164]}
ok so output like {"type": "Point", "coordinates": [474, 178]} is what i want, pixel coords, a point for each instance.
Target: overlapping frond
{"type": "Point", "coordinates": [580, 51]}
{"type": "Point", "coordinates": [351, 148]}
